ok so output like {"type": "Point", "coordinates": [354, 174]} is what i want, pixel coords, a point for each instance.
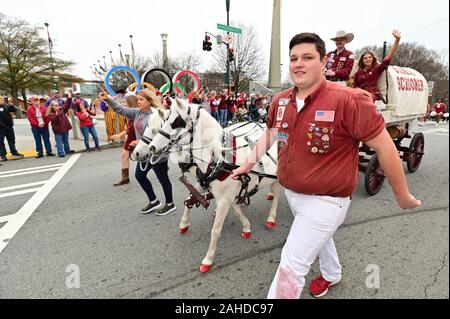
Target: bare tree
{"type": "Point", "coordinates": [248, 61]}
{"type": "Point", "coordinates": [417, 57]}
{"type": "Point", "coordinates": [24, 59]}
{"type": "Point", "coordinates": [187, 61]}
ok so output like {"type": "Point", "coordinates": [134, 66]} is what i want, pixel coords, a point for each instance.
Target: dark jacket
{"type": "Point", "coordinates": [6, 119]}
{"type": "Point", "coordinates": [59, 120]}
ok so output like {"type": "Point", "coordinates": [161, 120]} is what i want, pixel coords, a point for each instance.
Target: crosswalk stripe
{"type": "Point", "coordinates": [30, 172]}
{"type": "Point", "coordinates": [10, 188]}
{"type": "Point", "coordinates": [30, 169]}
{"type": "Point", "coordinates": [8, 231]}
{"type": "Point", "coordinates": [24, 191]}
{"type": "Point", "coordinates": [6, 218]}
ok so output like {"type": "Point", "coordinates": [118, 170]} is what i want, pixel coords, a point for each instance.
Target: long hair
{"type": "Point", "coordinates": [132, 101]}
{"type": "Point", "coordinates": [361, 60]}
{"type": "Point", "coordinates": [153, 100]}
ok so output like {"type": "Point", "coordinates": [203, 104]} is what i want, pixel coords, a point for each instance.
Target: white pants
{"type": "Point", "coordinates": [316, 219]}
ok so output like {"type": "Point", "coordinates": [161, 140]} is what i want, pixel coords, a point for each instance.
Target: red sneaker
{"type": "Point", "coordinates": [319, 286]}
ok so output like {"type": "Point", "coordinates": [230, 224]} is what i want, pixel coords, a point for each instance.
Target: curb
{"type": "Point", "coordinates": [33, 153]}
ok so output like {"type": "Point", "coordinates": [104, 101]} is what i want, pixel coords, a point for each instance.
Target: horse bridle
{"type": "Point", "coordinates": [146, 140]}
{"type": "Point", "coordinates": [180, 123]}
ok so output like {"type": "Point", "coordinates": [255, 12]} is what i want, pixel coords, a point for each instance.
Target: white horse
{"type": "Point", "coordinates": [205, 136]}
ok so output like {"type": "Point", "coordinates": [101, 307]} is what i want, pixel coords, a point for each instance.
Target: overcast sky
{"type": "Point", "coordinates": [85, 30]}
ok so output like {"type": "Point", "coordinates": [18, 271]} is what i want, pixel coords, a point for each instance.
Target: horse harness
{"type": "Point", "coordinates": [220, 170]}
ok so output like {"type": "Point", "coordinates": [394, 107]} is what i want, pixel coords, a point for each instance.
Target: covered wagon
{"type": "Point", "coordinates": [405, 99]}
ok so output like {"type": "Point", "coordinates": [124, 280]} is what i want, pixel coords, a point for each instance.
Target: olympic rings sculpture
{"type": "Point", "coordinates": [193, 75]}
{"type": "Point", "coordinates": [178, 87]}
{"type": "Point", "coordinates": [133, 86]}
{"type": "Point", "coordinates": [160, 72]}
{"type": "Point", "coordinates": [117, 68]}
{"type": "Point", "coordinates": [168, 86]}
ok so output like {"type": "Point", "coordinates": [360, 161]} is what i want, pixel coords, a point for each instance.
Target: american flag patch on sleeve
{"type": "Point", "coordinates": [324, 116]}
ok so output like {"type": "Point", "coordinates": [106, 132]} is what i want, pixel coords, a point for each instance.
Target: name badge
{"type": "Point", "coordinates": [343, 59]}
{"type": "Point", "coordinates": [283, 102]}
{"type": "Point", "coordinates": [324, 116]}
{"type": "Point", "coordinates": [283, 137]}
{"type": "Point", "coordinates": [280, 113]}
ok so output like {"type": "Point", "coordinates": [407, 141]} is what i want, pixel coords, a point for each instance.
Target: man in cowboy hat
{"type": "Point", "coordinates": [340, 61]}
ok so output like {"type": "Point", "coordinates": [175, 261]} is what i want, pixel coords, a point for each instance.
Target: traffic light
{"type": "Point", "coordinates": [230, 55]}
{"type": "Point", "coordinates": [207, 44]}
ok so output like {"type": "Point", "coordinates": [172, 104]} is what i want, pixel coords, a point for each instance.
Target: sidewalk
{"type": "Point", "coordinates": [25, 142]}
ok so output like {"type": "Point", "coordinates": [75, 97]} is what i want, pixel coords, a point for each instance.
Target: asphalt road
{"type": "Point", "coordinates": [84, 224]}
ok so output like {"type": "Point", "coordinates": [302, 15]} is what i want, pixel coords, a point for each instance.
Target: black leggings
{"type": "Point", "coordinates": [161, 171]}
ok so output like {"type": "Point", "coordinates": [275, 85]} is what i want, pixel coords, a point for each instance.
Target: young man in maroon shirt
{"type": "Point", "coordinates": [318, 125]}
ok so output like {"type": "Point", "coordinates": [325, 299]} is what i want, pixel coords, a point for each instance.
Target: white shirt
{"type": "Point", "coordinates": [300, 104]}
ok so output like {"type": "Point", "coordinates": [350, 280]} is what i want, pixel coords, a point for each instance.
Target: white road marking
{"type": "Point", "coordinates": [6, 218]}
{"type": "Point", "coordinates": [30, 172]}
{"type": "Point", "coordinates": [31, 169]}
{"type": "Point", "coordinates": [25, 191]}
{"type": "Point", "coordinates": [11, 188]}
{"type": "Point", "coordinates": [13, 225]}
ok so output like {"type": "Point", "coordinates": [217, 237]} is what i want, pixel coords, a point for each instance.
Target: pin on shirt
{"type": "Point", "coordinates": [285, 125]}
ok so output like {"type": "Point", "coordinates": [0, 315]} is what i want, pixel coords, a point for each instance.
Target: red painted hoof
{"type": "Point", "coordinates": [269, 197]}
{"type": "Point", "coordinates": [204, 268]}
{"type": "Point", "coordinates": [270, 225]}
{"type": "Point", "coordinates": [184, 230]}
{"type": "Point", "coordinates": [246, 235]}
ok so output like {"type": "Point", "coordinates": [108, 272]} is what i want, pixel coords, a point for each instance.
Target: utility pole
{"type": "Point", "coordinates": [227, 3]}
{"type": "Point", "coordinates": [275, 55]}
{"type": "Point", "coordinates": [52, 67]}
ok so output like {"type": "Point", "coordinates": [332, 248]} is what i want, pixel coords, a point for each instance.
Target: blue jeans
{"type": "Point", "coordinates": [222, 116]}
{"type": "Point", "coordinates": [215, 115]}
{"type": "Point", "coordinates": [86, 130]}
{"type": "Point", "coordinates": [62, 143]}
{"type": "Point", "coordinates": [230, 116]}
{"type": "Point", "coordinates": [40, 134]}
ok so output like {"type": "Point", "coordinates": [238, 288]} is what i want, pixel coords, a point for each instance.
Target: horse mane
{"type": "Point", "coordinates": [214, 131]}
{"type": "Point", "coordinates": [155, 122]}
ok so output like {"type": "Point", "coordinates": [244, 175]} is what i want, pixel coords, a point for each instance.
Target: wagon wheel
{"type": "Point", "coordinates": [374, 177]}
{"type": "Point", "coordinates": [416, 148]}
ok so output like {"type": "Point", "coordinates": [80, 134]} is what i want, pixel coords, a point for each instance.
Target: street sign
{"type": "Point", "coordinates": [229, 28]}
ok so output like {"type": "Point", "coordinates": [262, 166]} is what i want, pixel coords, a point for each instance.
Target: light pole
{"type": "Point", "coordinates": [132, 50]}
{"type": "Point", "coordinates": [122, 62]}
{"type": "Point", "coordinates": [227, 4]}
{"type": "Point", "coordinates": [52, 67]}
{"type": "Point", "coordinates": [165, 59]}
{"type": "Point", "coordinates": [112, 60]}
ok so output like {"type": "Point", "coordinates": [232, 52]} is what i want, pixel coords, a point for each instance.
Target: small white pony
{"type": "Point", "coordinates": [205, 136]}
